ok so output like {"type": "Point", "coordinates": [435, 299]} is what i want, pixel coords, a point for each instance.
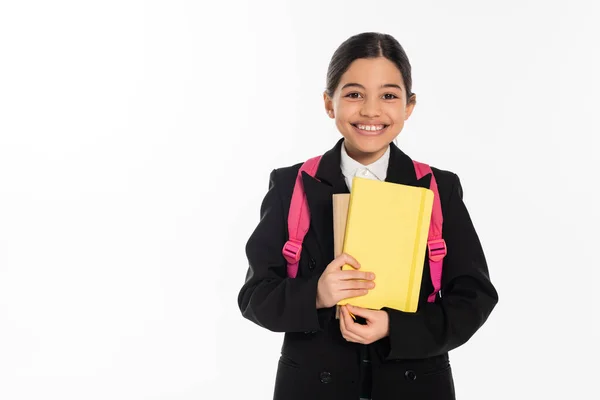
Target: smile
{"type": "Point", "coordinates": [370, 130]}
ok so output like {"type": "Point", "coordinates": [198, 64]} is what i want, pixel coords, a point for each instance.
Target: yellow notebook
{"type": "Point", "coordinates": [386, 231]}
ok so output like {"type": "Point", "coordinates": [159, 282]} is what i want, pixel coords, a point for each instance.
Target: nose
{"type": "Point", "coordinates": [370, 108]}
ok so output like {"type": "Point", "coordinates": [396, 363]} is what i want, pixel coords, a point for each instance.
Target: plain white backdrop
{"type": "Point", "coordinates": [136, 140]}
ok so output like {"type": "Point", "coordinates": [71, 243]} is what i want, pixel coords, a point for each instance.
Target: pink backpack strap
{"type": "Point", "coordinates": [298, 218]}
{"type": "Point", "coordinates": [435, 243]}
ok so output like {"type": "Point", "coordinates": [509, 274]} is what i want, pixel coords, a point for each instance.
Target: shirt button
{"type": "Point", "coordinates": [365, 172]}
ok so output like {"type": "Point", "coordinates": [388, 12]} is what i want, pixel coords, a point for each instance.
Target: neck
{"type": "Point", "coordinates": [364, 158]}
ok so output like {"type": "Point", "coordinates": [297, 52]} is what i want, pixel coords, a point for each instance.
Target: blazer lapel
{"type": "Point", "coordinates": [402, 170]}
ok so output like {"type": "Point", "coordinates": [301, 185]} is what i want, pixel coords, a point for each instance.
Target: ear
{"type": "Point", "coordinates": [410, 106]}
{"type": "Point", "coordinates": [328, 105]}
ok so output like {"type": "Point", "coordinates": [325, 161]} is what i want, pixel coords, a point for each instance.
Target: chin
{"type": "Point", "coordinates": [368, 144]}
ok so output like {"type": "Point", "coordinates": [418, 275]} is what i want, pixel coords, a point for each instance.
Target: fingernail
{"type": "Point", "coordinates": [371, 276]}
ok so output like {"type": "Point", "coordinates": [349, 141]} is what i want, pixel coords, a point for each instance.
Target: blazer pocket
{"type": "Point", "coordinates": [288, 362]}
{"type": "Point", "coordinates": [437, 384]}
{"type": "Point", "coordinates": [436, 371]}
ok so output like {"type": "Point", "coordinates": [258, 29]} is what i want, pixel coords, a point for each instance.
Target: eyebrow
{"type": "Point", "coordinates": [387, 85]}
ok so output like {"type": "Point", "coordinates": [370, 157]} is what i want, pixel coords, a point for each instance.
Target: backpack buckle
{"type": "Point", "coordinates": [437, 249]}
{"type": "Point", "coordinates": [291, 251]}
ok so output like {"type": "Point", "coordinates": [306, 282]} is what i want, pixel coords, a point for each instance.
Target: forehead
{"type": "Point", "coordinates": [372, 73]}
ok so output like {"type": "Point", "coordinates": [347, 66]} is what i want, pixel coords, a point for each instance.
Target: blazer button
{"type": "Point", "coordinates": [410, 375]}
{"type": "Point", "coordinates": [312, 263]}
{"type": "Point", "coordinates": [325, 377]}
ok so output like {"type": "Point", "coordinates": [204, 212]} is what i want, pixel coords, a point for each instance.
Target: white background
{"type": "Point", "coordinates": [136, 139]}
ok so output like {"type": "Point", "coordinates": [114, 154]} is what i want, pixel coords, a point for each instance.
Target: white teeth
{"type": "Point", "coordinates": [371, 127]}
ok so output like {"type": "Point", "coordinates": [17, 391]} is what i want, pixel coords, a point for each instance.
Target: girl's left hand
{"type": "Point", "coordinates": [377, 326]}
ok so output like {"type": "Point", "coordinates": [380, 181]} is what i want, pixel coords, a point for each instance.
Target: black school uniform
{"type": "Point", "coordinates": [316, 361]}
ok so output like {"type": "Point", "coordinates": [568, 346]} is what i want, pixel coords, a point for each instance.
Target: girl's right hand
{"type": "Point", "coordinates": [335, 285]}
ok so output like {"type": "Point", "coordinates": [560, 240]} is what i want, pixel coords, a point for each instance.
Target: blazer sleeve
{"type": "Point", "coordinates": [468, 296]}
{"type": "Point", "coordinates": [268, 297]}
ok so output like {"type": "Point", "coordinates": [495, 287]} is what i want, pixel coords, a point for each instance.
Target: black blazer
{"type": "Point", "coordinates": [316, 361]}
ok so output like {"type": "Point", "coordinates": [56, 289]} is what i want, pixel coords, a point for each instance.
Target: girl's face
{"type": "Point", "coordinates": [369, 107]}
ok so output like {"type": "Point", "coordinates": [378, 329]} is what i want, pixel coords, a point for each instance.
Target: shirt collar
{"type": "Point", "coordinates": [378, 168]}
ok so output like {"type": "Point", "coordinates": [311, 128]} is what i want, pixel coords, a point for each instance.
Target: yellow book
{"type": "Point", "coordinates": [386, 232]}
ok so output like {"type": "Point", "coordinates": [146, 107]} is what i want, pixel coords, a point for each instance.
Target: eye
{"type": "Point", "coordinates": [390, 96]}
{"type": "Point", "coordinates": [353, 95]}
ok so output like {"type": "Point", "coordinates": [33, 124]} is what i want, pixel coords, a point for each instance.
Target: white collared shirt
{"type": "Point", "coordinates": [351, 168]}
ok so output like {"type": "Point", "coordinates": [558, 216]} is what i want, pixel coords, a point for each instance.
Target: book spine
{"type": "Point", "coordinates": [416, 252]}
{"type": "Point", "coordinates": [348, 219]}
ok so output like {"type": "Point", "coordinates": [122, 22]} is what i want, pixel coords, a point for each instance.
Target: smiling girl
{"type": "Point", "coordinates": [384, 354]}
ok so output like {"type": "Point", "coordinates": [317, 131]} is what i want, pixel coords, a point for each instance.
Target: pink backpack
{"type": "Point", "coordinates": [299, 221]}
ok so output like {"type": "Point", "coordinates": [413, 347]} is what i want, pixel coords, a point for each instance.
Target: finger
{"type": "Point", "coordinates": [351, 293]}
{"type": "Point", "coordinates": [355, 275]}
{"type": "Point", "coordinates": [356, 329]}
{"type": "Point", "coordinates": [351, 337]}
{"type": "Point", "coordinates": [345, 322]}
{"type": "Point", "coordinates": [344, 259]}
{"type": "Point", "coordinates": [349, 318]}
{"type": "Point", "coordinates": [359, 331]}
{"type": "Point", "coordinates": [354, 284]}
{"type": "Point", "coordinates": [366, 313]}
